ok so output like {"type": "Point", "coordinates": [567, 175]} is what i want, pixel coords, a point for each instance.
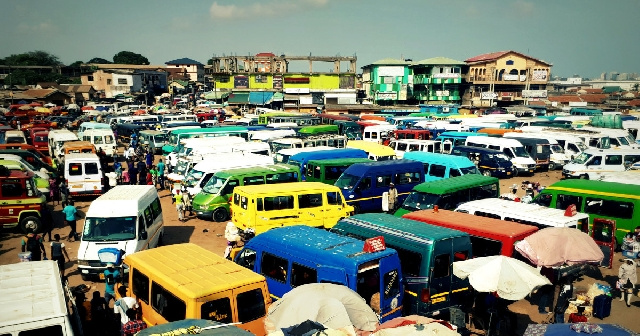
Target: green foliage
{"type": "Point", "coordinates": [98, 60]}
{"type": "Point", "coordinates": [76, 64]}
{"type": "Point", "coordinates": [30, 77]}
{"type": "Point", "coordinates": [128, 57]}
{"type": "Point", "coordinates": [32, 58]}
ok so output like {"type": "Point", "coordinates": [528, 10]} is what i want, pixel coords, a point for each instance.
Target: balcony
{"type": "Point", "coordinates": [506, 79]}
{"type": "Point", "coordinates": [436, 79]}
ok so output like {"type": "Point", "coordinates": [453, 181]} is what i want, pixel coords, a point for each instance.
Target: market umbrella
{"type": "Point", "coordinates": [556, 246]}
{"type": "Point", "coordinates": [331, 305]}
{"type": "Point", "coordinates": [512, 279]}
{"type": "Point", "coordinates": [25, 107]}
{"type": "Point", "coordinates": [564, 329]}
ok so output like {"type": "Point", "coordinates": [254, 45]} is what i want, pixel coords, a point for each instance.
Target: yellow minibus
{"type": "Point", "coordinates": [264, 207]}
{"type": "Point", "coordinates": [186, 281]}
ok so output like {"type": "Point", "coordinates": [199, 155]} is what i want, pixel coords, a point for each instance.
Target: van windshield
{"type": "Point", "coordinates": [109, 229]}
{"type": "Point", "coordinates": [582, 158]}
{"type": "Point", "coordinates": [193, 178]}
{"type": "Point", "coordinates": [347, 181]}
{"type": "Point", "coordinates": [214, 185]}
{"type": "Point", "coordinates": [420, 201]}
{"type": "Point", "coordinates": [181, 167]}
{"type": "Point", "coordinates": [557, 149]}
{"type": "Point", "coordinates": [520, 152]}
{"type": "Point", "coordinates": [469, 170]}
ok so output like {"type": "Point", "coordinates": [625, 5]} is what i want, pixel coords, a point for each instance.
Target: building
{"type": "Point", "coordinates": [386, 82]}
{"type": "Point", "coordinates": [437, 80]}
{"type": "Point", "coordinates": [46, 96]}
{"type": "Point", "coordinates": [506, 78]}
{"type": "Point", "coordinates": [194, 70]}
{"type": "Point", "coordinates": [111, 80]}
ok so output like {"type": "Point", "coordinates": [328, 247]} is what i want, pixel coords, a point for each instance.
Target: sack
{"type": "Point", "coordinates": [33, 245]}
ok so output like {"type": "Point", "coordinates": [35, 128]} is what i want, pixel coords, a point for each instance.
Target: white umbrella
{"type": "Point", "coordinates": [511, 278]}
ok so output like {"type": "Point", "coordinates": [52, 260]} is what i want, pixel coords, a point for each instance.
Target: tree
{"type": "Point", "coordinates": [37, 57]}
{"type": "Point", "coordinates": [76, 64]}
{"type": "Point", "coordinates": [128, 57]}
{"type": "Point", "coordinates": [98, 60]}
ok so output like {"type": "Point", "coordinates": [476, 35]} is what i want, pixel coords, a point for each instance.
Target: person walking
{"type": "Point", "coordinates": [98, 313]}
{"type": "Point", "coordinates": [129, 153]}
{"type": "Point", "coordinates": [111, 276]}
{"type": "Point", "coordinates": [179, 205]}
{"type": "Point", "coordinates": [149, 158]}
{"type": "Point", "coordinates": [142, 172]}
{"type": "Point", "coordinates": [70, 212]}
{"type": "Point", "coordinates": [53, 191]}
{"type": "Point", "coordinates": [186, 201]}
{"type": "Point", "coordinates": [392, 198]}
{"type": "Point", "coordinates": [133, 174]}
{"type": "Point", "coordinates": [64, 194]}
{"type": "Point", "coordinates": [33, 243]}
{"type": "Point", "coordinates": [627, 278]}
{"type": "Point", "coordinates": [58, 253]}
{"type": "Point", "coordinates": [154, 175]}
{"type": "Point", "coordinates": [160, 169]}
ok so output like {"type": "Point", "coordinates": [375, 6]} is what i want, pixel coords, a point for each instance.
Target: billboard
{"type": "Point", "coordinates": [442, 93]}
{"type": "Point", "coordinates": [390, 71]}
{"type": "Point", "coordinates": [539, 75]}
{"type": "Point", "coordinates": [241, 82]}
{"type": "Point", "coordinates": [277, 81]}
{"type": "Point", "coordinates": [534, 93]}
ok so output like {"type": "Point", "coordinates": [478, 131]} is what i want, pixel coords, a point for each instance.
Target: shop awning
{"type": "Point", "coordinates": [239, 98]}
{"type": "Point", "coordinates": [260, 97]}
{"type": "Point", "coordinates": [278, 96]}
{"type": "Point", "coordinates": [215, 95]}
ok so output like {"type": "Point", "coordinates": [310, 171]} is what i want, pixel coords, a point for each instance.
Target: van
{"type": "Point", "coordinates": [439, 166]}
{"type": "Point", "coordinates": [34, 300]}
{"type": "Point", "coordinates": [186, 281]}
{"type": "Point", "coordinates": [293, 256]}
{"type": "Point", "coordinates": [200, 147]}
{"type": "Point", "coordinates": [426, 252]}
{"type": "Point", "coordinates": [128, 218]}
{"type": "Point", "coordinates": [490, 162]}
{"type": "Point", "coordinates": [557, 156]}
{"type": "Point", "coordinates": [152, 140]}
{"type": "Point", "coordinates": [15, 137]}
{"type": "Point", "coordinates": [365, 185]}
{"type": "Point", "coordinates": [40, 141]}
{"type": "Point", "coordinates": [512, 148]}
{"type": "Point", "coordinates": [301, 159]}
{"type": "Point", "coordinates": [78, 147]}
{"type": "Point", "coordinates": [448, 193]}
{"type": "Point", "coordinates": [125, 131]}
{"type": "Point", "coordinates": [414, 145]}
{"type": "Point", "coordinates": [375, 151]}
{"type": "Point", "coordinates": [83, 174]}
{"type": "Point", "coordinates": [264, 207]}
{"type": "Point", "coordinates": [212, 202]}
{"type": "Point", "coordinates": [450, 139]}
{"type": "Point", "coordinates": [14, 162]}
{"type": "Point", "coordinates": [90, 125]}
{"type": "Point", "coordinates": [283, 155]}
{"type": "Point", "coordinates": [538, 149]}
{"type": "Point", "coordinates": [22, 204]}
{"type": "Point", "coordinates": [101, 138]}
{"type": "Point", "coordinates": [489, 236]}
{"type": "Point", "coordinates": [592, 163]}
{"type": "Point", "coordinates": [328, 171]}
{"type": "Point", "coordinates": [200, 174]}
{"type": "Point", "coordinates": [57, 138]}
{"type": "Point", "coordinates": [378, 134]}
{"type": "Point", "coordinates": [32, 157]}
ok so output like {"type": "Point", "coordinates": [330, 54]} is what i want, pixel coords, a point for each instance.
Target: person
{"type": "Point", "coordinates": [512, 195]}
{"type": "Point", "coordinates": [70, 212]}
{"type": "Point", "coordinates": [546, 291]}
{"type": "Point", "coordinates": [98, 313]}
{"type": "Point", "coordinates": [84, 312]}
{"type": "Point", "coordinates": [113, 179]}
{"type": "Point", "coordinates": [64, 194]}
{"type": "Point", "coordinates": [47, 222]}
{"type": "Point", "coordinates": [186, 200]}
{"type": "Point", "coordinates": [142, 172]}
{"type": "Point", "coordinates": [630, 246]}
{"type": "Point", "coordinates": [149, 158]}
{"type": "Point", "coordinates": [33, 243]}
{"type": "Point", "coordinates": [124, 304]}
{"type": "Point", "coordinates": [53, 191]}
{"type": "Point", "coordinates": [133, 174]}
{"type": "Point", "coordinates": [149, 178]}
{"type": "Point", "coordinates": [392, 197]}
{"type": "Point", "coordinates": [179, 204]}
{"type": "Point", "coordinates": [627, 278]}
{"type": "Point", "coordinates": [134, 325]}
{"type": "Point", "coordinates": [154, 175]}
{"type": "Point", "coordinates": [111, 276]}
{"type": "Point", "coordinates": [161, 167]}
{"type": "Point", "coordinates": [125, 177]}
{"type": "Point", "coordinates": [562, 303]}
{"type": "Point", "coordinates": [129, 153]}
{"type": "Point", "coordinates": [58, 253]}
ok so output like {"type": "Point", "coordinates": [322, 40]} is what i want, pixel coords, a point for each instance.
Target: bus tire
{"type": "Point", "coordinates": [220, 214]}
{"type": "Point", "coordinates": [356, 209]}
{"type": "Point", "coordinates": [31, 224]}
{"type": "Point", "coordinates": [584, 177]}
{"type": "Point", "coordinates": [486, 173]}
{"type": "Point", "coordinates": [552, 166]}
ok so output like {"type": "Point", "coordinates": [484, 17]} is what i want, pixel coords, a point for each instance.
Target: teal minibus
{"type": "Point", "coordinates": [440, 166]}
{"type": "Point", "coordinates": [426, 252]}
{"type": "Point", "coordinates": [175, 136]}
{"type": "Point", "coordinates": [328, 171]}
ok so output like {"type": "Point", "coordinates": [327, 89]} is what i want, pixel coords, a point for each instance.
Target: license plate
{"type": "Point", "coordinates": [508, 173]}
{"type": "Point", "coordinates": [101, 276]}
{"type": "Point", "coordinates": [77, 186]}
{"type": "Point", "coordinates": [531, 170]}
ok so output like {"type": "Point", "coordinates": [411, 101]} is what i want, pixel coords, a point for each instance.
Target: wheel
{"type": "Point", "coordinates": [486, 173]}
{"type": "Point", "coordinates": [220, 214]}
{"type": "Point", "coordinates": [356, 209]}
{"type": "Point", "coordinates": [84, 277]}
{"type": "Point", "coordinates": [552, 166]}
{"type": "Point", "coordinates": [31, 224]}
{"type": "Point", "coordinates": [584, 177]}
{"type": "Point", "coordinates": [515, 173]}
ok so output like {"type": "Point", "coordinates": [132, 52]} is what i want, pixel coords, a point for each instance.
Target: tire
{"type": "Point", "coordinates": [515, 173]}
{"type": "Point", "coordinates": [220, 214]}
{"type": "Point", "coordinates": [552, 166]}
{"type": "Point", "coordinates": [31, 224]}
{"type": "Point", "coordinates": [584, 177]}
{"type": "Point", "coordinates": [85, 278]}
{"type": "Point", "coordinates": [486, 173]}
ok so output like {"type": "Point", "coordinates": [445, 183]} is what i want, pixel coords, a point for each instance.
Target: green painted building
{"type": "Point", "coordinates": [437, 80]}
{"type": "Point", "coordinates": [387, 81]}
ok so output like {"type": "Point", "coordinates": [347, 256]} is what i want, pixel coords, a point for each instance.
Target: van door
{"type": "Point", "coordinates": [391, 291]}
{"type": "Point", "coordinates": [250, 306]}
{"type": "Point", "coordinates": [310, 208]}
{"type": "Point", "coordinates": [441, 274]}
{"type": "Point", "coordinates": [333, 208]}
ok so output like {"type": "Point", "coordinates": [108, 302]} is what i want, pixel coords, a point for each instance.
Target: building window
{"type": "Point", "coordinates": [108, 81]}
{"type": "Point", "coordinates": [90, 78]}
{"type": "Point", "coordinates": [122, 81]}
{"type": "Point", "coordinates": [510, 62]}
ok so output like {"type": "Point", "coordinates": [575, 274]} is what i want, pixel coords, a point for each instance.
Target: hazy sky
{"type": "Point", "coordinates": [584, 37]}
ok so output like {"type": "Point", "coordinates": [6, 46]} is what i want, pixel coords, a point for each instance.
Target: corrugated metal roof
{"type": "Point", "coordinates": [391, 61]}
{"type": "Point", "coordinates": [439, 61]}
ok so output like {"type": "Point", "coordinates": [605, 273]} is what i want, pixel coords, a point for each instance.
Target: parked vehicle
{"type": "Point", "coordinates": [57, 138]}
{"type": "Point", "coordinates": [83, 174]}
{"type": "Point", "coordinates": [439, 166]}
{"type": "Point", "coordinates": [375, 151]}
{"type": "Point", "coordinates": [329, 170]}
{"type": "Point", "coordinates": [101, 138]}
{"type": "Point", "coordinates": [90, 125]}
{"type": "Point", "coordinates": [414, 145]}
{"type": "Point", "coordinates": [516, 152]}
{"type": "Point", "coordinates": [17, 189]}
{"type": "Point", "coordinates": [301, 159]}
{"type": "Point", "coordinates": [15, 137]}
{"type": "Point", "coordinates": [175, 136]}
{"type": "Point", "coordinates": [40, 140]}
{"type": "Point", "coordinates": [592, 163]}
{"type": "Point", "coordinates": [33, 157]}
{"type": "Point", "coordinates": [14, 162]}
{"type": "Point", "coordinates": [490, 162]}
{"type": "Point", "coordinates": [537, 144]}
{"type": "Point", "coordinates": [78, 147]}
{"type": "Point", "coordinates": [152, 140]}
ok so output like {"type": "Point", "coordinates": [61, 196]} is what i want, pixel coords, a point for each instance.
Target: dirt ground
{"type": "Point", "coordinates": [210, 236]}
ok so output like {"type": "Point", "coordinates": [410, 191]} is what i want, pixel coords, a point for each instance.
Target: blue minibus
{"type": "Point", "coordinates": [364, 185]}
{"type": "Point", "coordinates": [451, 139]}
{"type": "Point", "coordinates": [296, 255]}
{"type": "Point", "coordinates": [301, 159]}
{"type": "Point", "coordinates": [439, 166]}
{"type": "Point", "coordinates": [490, 162]}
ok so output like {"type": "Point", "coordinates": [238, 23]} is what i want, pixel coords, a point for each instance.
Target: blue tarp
{"type": "Point", "coordinates": [260, 97]}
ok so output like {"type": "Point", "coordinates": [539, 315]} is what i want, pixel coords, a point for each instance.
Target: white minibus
{"type": "Point", "coordinates": [513, 149]}
{"type": "Point", "coordinates": [90, 125]}
{"type": "Point", "coordinates": [378, 133]}
{"type": "Point", "coordinates": [592, 163]}
{"type": "Point", "coordinates": [57, 138]}
{"type": "Point", "coordinates": [101, 138]}
{"type": "Point", "coordinates": [128, 218]}
{"type": "Point", "coordinates": [401, 146]}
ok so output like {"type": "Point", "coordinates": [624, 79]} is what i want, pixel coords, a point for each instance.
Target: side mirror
{"type": "Point", "coordinates": [143, 235]}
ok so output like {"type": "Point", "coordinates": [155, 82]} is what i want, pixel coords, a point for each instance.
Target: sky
{"type": "Point", "coordinates": [579, 37]}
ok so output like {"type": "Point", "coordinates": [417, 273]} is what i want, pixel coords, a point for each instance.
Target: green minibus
{"type": "Point", "coordinates": [327, 171]}
{"type": "Point", "coordinates": [213, 201]}
{"type": "Point", "coordinates": [448, 193]}
{"type": "Point", "coordinates": [609, 200]}
{"type": "Point", "coordinates": [175, 136]}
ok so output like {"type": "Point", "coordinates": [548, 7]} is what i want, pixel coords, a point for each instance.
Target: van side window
{"type": "Point", "coordinates": [282, 177]}
{"type": "Point", "coordinates": [75, 169]}
{"type": "Point", "coordinates": [454, 172]}
{"type": "Point", "coordinates": [247, 258]}
{"type": "Point", "coordinates": [244, 202]}
{"type": "Point", "coordinates": [495, 147]}
{"type": "Point", "coordinates": [631, 159]}
{"type": "Point", "coordinates": [597, 206]}
{"type": "Point", "coordinates": [157, 208]}
{"type": "Point", "coordinates": [364, 184]}
{"type": "Point", "coordinates": [441, 266]}
{"type": "Point", "coordinates": [508, 152]}
{"type": "Point", "coordinates": [228, 188]}
{"type": "Point", "coordinates": [97, 139]}
{"type": "Point", "coordinates": [437, 170]}
{"type": "Point", "coordinates": [251, 305]}
{"type": "Point", "coordinates": [148, 216]}
{"type": "Point", "coordinates": [595, 161]}
{"type": "Point", "coordinates": [544, 200]}
{"type": "Point", "coordinates": [217, 310]}
{"type": "Point", "coordinates": [407, 178]}
{"type": "Point", "coordinates": [613, 160]}
{"type": "Point", "coordinates": [309, 201]}
{"type": "Point", "coordinates": [167, 304]}
{"type": "Point", "coordinates": [426, 168]}
{"type": "Point", "coordinates": [140, 285]}
{"type": "Point", "coordinates": [91, 168]}
{"type": "Point", "coordinates": [252, 180]}
{"type": "Point", "coordinates": [301, 275]}
{"type": "Point", "coordinates": [236, 199]}
{"type": "Point", "coordinates": [334, 198]}
{"type": "Point", "coordinates": [383, 181]}
{"type": "Point", "coordinates": [276, 203]}
{"type": "Point", "coordinates": [484, 247]}
{"type": "Point", "coordinates": [564, 201]}
{"type": "Point", "coordinates": [274, 267]}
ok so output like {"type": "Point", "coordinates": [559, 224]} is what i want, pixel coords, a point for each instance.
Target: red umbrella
{"type": "Point", "coordinates": [86, 108]}
{"type": "Point", "coordinates": [556, 246]}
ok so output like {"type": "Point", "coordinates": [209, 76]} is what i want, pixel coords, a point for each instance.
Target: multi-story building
{"type": "Point", "coordinates": [437, 80]}
{"type": "Point", "coordinates": [193, 69]}
{"type": "Point", "coordinates": [387, 81]}
{"type": "Point", "coordinates": [506, 78]}
{"type": "Point", "coordinates": [110, 80]}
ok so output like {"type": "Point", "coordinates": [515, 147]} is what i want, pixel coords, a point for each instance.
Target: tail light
{"type": "Point", "coordinates": [425, 295]}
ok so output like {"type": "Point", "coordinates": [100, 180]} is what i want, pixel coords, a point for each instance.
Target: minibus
{"type": "Point", "coordinates": [525, 213]}
{"type": "Point", "coordinates": [490, 162]}
{"type": "Point", "coordinates": [401, 146]}
{"type": "Point", "coordinates": [301, 159]}
{"type": "Point", "coordinates": [414, 133]}
{"type": "Point", "coordinates": [78, 147]}
{"type": "Point", "coordinates": [185, 281]}
{"type": "Point", "coordinates": [90, 125]}
{"type": "Point", "coordinates": [489, 236]}
{"type": "Point", "coordinates": [316, 130]}
{"type": "Point", "coordinates": [329, 170]}
{"type": "Point", "coordinates": [451, 139]}
{"type": "Point", "coordinates": [179, 117]}
{"type": "Point", "coordinates": [375, 151]}
{"type": "Point", "coordinates": [212, 202]}
{"type": "Point", "coordinates": [32, 150]}
{"type": "Point", "coordinates": [125, 131]}
{"type": "Point", "coordinates": [32, 157]}
{"type": "Point", "coordinates": [571, 144]}
{"type": "Point", "coordinates": [152, 140]}
{"type": "Point", "coordinates": [57, 138]}
{"type": "Point", "coordinates": [283, 155]}
{"type": "Point", "coordinates": [557, 156]}
{"type": "Point", "coordinates": [201, 146]}
{"type": "Point", "coordinates": [128, 218]}
{"type": "Point", "coordinates": [269, 134]}
{"type": "Point", "coordinates": [15, 137]}
{"type": "Point", "coordinates": [292, 256]}
{"type": "Point", "coordinates": [264, 207]}
{"type": "Point", "coordinates": [512, 148]}
{"type": "Point", "coordinates": [101, 138]}
{"type": "Point", "coordinates": [599, 199]}
{"type": "Point", "coordinates": [448, 193]}
{"type": "Point", "coordinates": [365, 185]}
{"type": "Point", "coordinates": [439, 166]}
{"type": "Point", "coordinates": [592, 163]}
{"type": "Point", "coordinates": [538, 149]}
{"type": "Point", "coordinates": [40, 141]}
{"type": "Point", "coordinates": [202, 172]}
{"type": "Point", "coordinates": [426, 253]}
{"type": "Point", "coordinates": [175, 136]}
{"type": "Point", "coordinates": [378, 134]}
{"type": "Point", "coordinates": [330, 140]}
{"type": "Point", "coordinates": [83, 174]}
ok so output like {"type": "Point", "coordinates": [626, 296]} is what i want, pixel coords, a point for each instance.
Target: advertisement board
{"type": "Point", "coordinates": [534, 93]}
{"type": "Point", "coordinates": [240, 82]}
{"type": "Point", "coordinates": [539, 75]}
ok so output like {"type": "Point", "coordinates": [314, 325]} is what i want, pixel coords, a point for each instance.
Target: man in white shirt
{"type": "Point", "coordinates": [125, 303]}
